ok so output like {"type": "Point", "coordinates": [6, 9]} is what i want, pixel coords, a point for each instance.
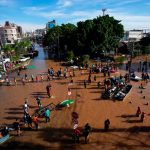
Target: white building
{"type": "Point", "coordinates": [9, 33]}
{"type": "Point", "coordinates": [133, 35]}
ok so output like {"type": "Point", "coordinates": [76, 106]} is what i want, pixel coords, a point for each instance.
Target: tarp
{"type": "Point", "coordinates": [31, 67]}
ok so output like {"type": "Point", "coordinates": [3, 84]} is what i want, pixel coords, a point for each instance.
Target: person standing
{"type": "Point", "coordinates": [18, 72]}
{"type": "Point", "coordinates": [76, 135]}
{"type": "Point", "coordinates": [47, 115]}
{"type": "Point", "coordinates": [32, 78]}
{"type": "Point", "coordinates": [94, 77]}
{"type": "Point", "coordinates": [38, 99]}
{"type": "Point", "coordinates": [26, 77]}
{"type": "Point", "coordinates": [48, 77]}
{"type": "Point", "coordinates": [138, 112]}
{"type": "Point", "coordinates": [25, 107]}
{"type": "Point", "coordinates": [142, 117]}
{"type": "Point", "coordinates": [37, 79]}
{"type": "Point", "coordinates": [15, 81]}
{"type": "Point", "coordinates": [35, 120]}
{"type": "Point", "coordinates": [69, 93]}
{"type": "Point", "coordinates": [87, 129]}
{"type": "Point", "coordinates": [48, 89]}
{"type": "Point", "coordinates": [42, 79]}
{"type": "Point", "coordinates": [84, 84]}
{"type": "Point", "coordinates": [29, 120]}
{"type": "Point", "coordinates": [106, 124]}
{"type": "Point", "coordinates": [16, 126]}
{"type": "Point", "coordinates": [23, 81]}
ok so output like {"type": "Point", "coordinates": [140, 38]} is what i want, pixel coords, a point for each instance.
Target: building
{"type": "Point", "coordinates": [133, 35]}
{"type": "Point", "coordinates": [40, 32]}
{"type": "Point", "coordinates": [50, 24]}
{"type": "Point", "coordinates": [9, 33]}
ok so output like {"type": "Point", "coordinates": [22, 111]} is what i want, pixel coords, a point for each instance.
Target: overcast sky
{"type": "Point", "coordinates": [33, 14]}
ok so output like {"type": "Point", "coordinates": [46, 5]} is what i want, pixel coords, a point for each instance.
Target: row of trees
{"type": "Point", "coordinates": [99, 35]}
{"type": "Point", "coordinates": [17, 49]}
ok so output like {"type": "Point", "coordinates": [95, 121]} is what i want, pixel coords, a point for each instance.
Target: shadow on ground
{"type": "Point", "coordinates": [63, 137]}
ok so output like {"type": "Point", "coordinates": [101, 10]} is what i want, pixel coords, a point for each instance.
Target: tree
{"type": "Point", "coordinates": [70, 55]}
{"type": "Point", "coordinates": [8, 49]}
{"type": "Point", "coordinates": [145, 44]}
{"type": "Point", "coordinates": [84, 60]}
{"type": "Point", "coordinates": [101, 34]}
{"type": "Point", "coordinates": [21, 46]}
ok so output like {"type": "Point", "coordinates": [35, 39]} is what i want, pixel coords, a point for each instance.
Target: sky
{"type": "Point", "coordinates": [34, 14]}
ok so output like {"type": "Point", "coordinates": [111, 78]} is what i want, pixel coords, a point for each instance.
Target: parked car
{"type": "Point", "coordinates": [23, 59]}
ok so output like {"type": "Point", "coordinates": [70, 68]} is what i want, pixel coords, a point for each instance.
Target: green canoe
{"type": "Point", "coordinates": [67, 102]}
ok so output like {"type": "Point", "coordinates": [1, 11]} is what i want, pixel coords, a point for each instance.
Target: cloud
{"type": "Point", "coordinates": [80, 13]}
{"type": "Point", "coordinates": [132, 21]}
{"type": "Point", "coordinates": [64, 3]}
{"type": "Point", "coordinates": [30, 26]}
{"type": "Point", "coordinates": [33, 8]}
{"type": "Point", "coordinates": [54, 14]}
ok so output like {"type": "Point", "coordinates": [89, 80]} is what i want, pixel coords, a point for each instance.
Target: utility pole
{"type": "Point", "coordinates": [104, 10]}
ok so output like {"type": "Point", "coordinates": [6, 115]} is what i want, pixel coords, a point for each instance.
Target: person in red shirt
{"type": "Point", "coordinates": [35, 120]}
{"type": "Point", "coordinates": [76, 135]}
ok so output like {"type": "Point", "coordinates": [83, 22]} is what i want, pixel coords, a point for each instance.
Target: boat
{"type": "Point", "coordinates": [66, 102]}
{"type": "Point", "coordinates": [124, 92]}
{"type": "Point", "coordinates": [4, 138]}
{"type": "Point", "coordinates": [4, 135]}
{"type": "Point", "coordinates": [136, 78]}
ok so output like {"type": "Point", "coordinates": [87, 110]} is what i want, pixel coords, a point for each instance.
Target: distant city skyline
{"type": "Point", "coordinates": [34, 14]}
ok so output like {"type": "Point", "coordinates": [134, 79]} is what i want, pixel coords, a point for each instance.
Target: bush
{"type": "Point", "coordinates": [84, 60]}
{"type": "Point", "coordinates": [120, 59]}
{"type": "Point", "coordinates": [146, 50]}
{"type": "Point", "coordinates": [70, 55]}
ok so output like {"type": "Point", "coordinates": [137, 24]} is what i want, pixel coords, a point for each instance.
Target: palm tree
{"type": "Point", "coordinates": [8, 49]}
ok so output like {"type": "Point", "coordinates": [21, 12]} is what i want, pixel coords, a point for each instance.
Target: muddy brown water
{"type": "Point", "coordinates": [126, 132]}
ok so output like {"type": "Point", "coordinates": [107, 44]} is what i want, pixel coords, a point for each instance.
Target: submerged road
{"type": "Point", "coordinates": [13, 96]}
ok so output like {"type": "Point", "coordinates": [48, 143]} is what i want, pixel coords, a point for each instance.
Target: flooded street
{"type": "Point", "coordinates": [87, 103]}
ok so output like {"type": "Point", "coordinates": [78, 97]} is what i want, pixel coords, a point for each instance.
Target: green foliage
{"type": "Point", "coordinates": [146, 49]}
{"type": "Point", "coordinates": [7, 48]}
{"type": "Point", "coordinates": [21, 47]}
{"type": "Point", "coordinates": [145, 44]}
{"type": "Point", "coordinates": [15, 58]}
{"type": "Point", "coordinates": [70, 55]}
{"type": "Point", "coordinates": [88, 37]}
{"type": "Point", "coordinates": [120, 59]}
{"type": "Point", "coordinates": [84, 60]}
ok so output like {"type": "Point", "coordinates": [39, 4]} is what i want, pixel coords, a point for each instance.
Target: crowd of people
{"type": "Point", "coordinates": [108, 82]}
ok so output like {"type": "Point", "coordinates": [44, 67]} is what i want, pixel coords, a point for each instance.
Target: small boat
{"type": "Point", "coordinates": [66, 102]}
{"type": "Point", "coordinates": [136, 78]}
{"type": "Point", "coordinates": [121, 94]}
{"type": "Point", "coordinates": [4, 138]}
